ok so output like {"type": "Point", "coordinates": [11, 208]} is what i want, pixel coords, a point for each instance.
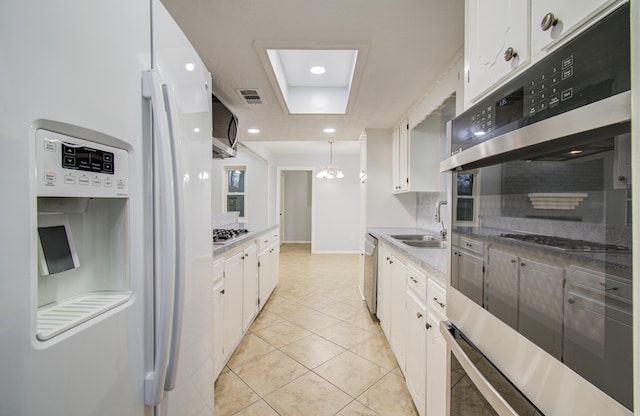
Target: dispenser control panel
{"type": "Point", "coordinates": [72, 167]}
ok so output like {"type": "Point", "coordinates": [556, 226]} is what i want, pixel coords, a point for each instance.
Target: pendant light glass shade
{"type": "Point", "coordinates": [330, 171]}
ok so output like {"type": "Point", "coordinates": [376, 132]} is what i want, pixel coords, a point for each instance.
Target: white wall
{"type": "Point", "coordinates": [259, 195]}
{"type": "Point", "coordinates": [297, 206]}
{"type": "Point", "coordinates": [385, 209]}
{"type": "Point", "coordinates": [337, 206]}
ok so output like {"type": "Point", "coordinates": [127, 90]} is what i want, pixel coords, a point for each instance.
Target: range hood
{"type": "Point", "coordinates": [224, 130]}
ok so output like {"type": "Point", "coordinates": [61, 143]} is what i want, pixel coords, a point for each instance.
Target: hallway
{"type": "Point", "coordinates": [313, 350]}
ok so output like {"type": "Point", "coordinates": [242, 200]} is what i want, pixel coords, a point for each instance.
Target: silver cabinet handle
{"type": "Point", "coordinates": [510, 53]}
{"type": "Point", "coordinates": [413, 279]}
{"type": "Point", "coordinates": [418, 315]}
{"type": "Point", "coordinates": [438, 302]}
{"type": "Point", "coordinates": [548, 21]}
{"type": "Point", "coordinates": [428, 325]}
{"type": "Point", "coordinates": [604, 286]}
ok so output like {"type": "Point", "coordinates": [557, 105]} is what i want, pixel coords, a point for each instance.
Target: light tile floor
{"type": "Point", "coordinates": [313, 350]}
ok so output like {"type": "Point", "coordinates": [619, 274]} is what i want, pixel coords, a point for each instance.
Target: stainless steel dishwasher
{"type": "Point", "coordinates": [371, 273]}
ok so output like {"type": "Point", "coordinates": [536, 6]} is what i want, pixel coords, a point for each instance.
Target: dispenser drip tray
{"type": "Point", "coordinates": [59, 317]}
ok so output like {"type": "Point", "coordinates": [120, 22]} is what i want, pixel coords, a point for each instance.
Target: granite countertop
{"type": "Point", "coordinates": [252, 233]}
{"type": "Point", "coordinates": [614, 263]}
{"type": "Point", "coordinates": [432, 260]}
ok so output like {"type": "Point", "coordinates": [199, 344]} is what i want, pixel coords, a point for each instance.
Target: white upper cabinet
{"type": "Point", "coordinates": [496, 42]}
{"type": "Point", "coordinates": [552, 20]}
{"type": "Point", "coordinates": [400, 155]}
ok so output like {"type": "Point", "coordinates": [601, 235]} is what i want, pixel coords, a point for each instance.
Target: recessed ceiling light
{"type": "Point", "coordinates": [197, 130]}
{"type": "Point", "coordinates": [329, 130]}
{"type": "Point", "coordinates": [253, 131]}
{"type": "Point", "coordinates": [318, 70]}
{"type": "Point", "coordinates": [575, 152]}
{"type": "Point", "coordinates": [190, 67]}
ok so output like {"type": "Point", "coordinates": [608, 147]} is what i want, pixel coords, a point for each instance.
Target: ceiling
{"type": "Point", "coordinates": [409, 45]}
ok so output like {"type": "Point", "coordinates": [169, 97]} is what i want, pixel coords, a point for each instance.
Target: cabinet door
{"type": "Point", "coordinates": [541, 297]}
{"type": "Point", "coordinates": [567, 15]}
{"type": "Point", "coordinates": [598, 341]}
{"type": "Point", "coordinates": [437, 369]}
{"type": "Point", "coordinates": [416, 374]}
{"type": "Point", "coordinates": [218, 317]}
{"type": "Point", "coordinates": [622, 162]}
{"type": "Point", "coordinates": [501, 286]}
{"type": "Point", "coordinates": [403, 153]}
{"type": "Point", "coordinates": [492, 27]}
{"type": "Point", "coordinates": [218, 327]}
{"type": "Point", "coordinates": [395, 160]}
{"type": "Point", "coordinates": [250, 285]}
{"type": "Point", "coordinates": [264, 277]}
{"type": "Point", "coordinates": [233, 275]}
{"type": "Point", "coordinates": [384, 290]}
{"type": "Point", "coordinates": [470, 276]}
{"type": "Point", "coordinates": [398, 310]}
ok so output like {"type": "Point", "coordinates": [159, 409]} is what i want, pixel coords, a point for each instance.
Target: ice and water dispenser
{"type": "Point", "coordinates": [82, 233]}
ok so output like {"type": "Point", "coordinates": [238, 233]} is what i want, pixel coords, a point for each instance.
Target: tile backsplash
{"type": "Point", "coordinates": [426, 211]}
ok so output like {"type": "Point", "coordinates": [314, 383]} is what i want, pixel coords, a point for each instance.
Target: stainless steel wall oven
{"type": "Point", "coordinates": [541, 277]}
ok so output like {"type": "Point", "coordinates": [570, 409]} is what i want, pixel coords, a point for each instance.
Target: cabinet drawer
{"type": "Point", "coordinates": [600, 282]}
{"type": "Point", "coordinates": [437, 298]}
{"type": "Point", "coordinates": [471, 245]}
{"type": "Point", "coordinates": [266, 239]}
{"type": "Point", "coordinates": [417, 282]}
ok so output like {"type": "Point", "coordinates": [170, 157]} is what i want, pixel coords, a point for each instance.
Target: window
{"type": "Point", "coordinates": [466, 191]}
{"type": "Point", "coordinates": [235, 191]}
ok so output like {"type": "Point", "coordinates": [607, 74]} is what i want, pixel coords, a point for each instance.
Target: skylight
{"type": "Point", "coordinates": [305, 88]}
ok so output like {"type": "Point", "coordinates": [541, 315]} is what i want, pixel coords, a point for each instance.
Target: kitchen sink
{"type": "Point", "coordinates": [431, 243]}
{"type": "Point", "coordinates": [414, 237]}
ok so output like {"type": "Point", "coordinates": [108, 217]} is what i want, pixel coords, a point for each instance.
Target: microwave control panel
{"type": "Point", "coordinates": [592, 66]}
{"type": "Point", "coordinates": [72, 167]}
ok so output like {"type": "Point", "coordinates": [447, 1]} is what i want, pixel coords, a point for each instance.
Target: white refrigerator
{"type": "Point", "coordinates": [105, 250]}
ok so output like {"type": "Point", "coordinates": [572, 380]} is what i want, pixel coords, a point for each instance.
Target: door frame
{"type": "Point", "coordinates": [280, 196]}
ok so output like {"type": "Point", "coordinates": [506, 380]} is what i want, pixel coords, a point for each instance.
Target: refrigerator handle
{"type": "Point", "coordinates": [178, 302]}
{"type": "Point", "coordinates": [164, 238]}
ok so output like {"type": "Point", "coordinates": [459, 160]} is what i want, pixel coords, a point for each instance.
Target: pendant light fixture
{"type": "Point", "coordinates": [330, 171]}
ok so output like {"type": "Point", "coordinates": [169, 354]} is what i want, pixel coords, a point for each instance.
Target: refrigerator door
{"type": "Point", "coordinates": [73, 67]}
{"type": "Point", "coordinates": [189, 381]}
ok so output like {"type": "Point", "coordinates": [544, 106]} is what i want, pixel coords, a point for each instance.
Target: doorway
{"type": "Point", "coordinates": [295, 205]}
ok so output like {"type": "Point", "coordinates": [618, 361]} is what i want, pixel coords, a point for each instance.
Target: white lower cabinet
{"type": "Point", "coordinates": [249, 286]}
{"type": "Point", "coordinates": [398, 325]}
{"type": "Point", "coordinates": [417, 349]}
{"type": "Point", "coordinates": [269, 270]}
{"type": "Point", "coordinates": [436, 368]}
{"type": "Point", "coordinates": [233, 276]}
{"type": "Point", "coordinates": [237, 287]}
{"type": "Point", "coordinates": [411, 305]}
{"type": "Point", "coordinates": [218, 317]}
{"type": "Point", "coordinates": [384, 290]}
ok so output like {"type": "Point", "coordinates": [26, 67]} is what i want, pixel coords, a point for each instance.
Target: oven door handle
{"type": "Point", "coordinates": [492, 396]}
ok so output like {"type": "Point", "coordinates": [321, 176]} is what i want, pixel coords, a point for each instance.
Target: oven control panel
{"type": "Point", "coordinates": [593, 66]}
{"type": "Point", "coordinates": [72, 167]}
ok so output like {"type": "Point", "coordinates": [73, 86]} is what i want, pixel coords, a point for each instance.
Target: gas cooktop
{"type": "Point", "coordinates": [567, 244]}
{"type": "Point", "coordinates": [223, 235]}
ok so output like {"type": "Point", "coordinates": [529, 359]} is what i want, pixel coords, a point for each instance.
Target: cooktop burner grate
{"type": "Point", "coordinates": [222, 235]}
{"type": "Point", "coordinates": [567, 244]}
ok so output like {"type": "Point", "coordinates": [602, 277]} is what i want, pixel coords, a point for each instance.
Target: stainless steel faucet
{"type": "Point", "coordinates": [438, 206]}
{"type": "Point", "coordinates": [443, 232]}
